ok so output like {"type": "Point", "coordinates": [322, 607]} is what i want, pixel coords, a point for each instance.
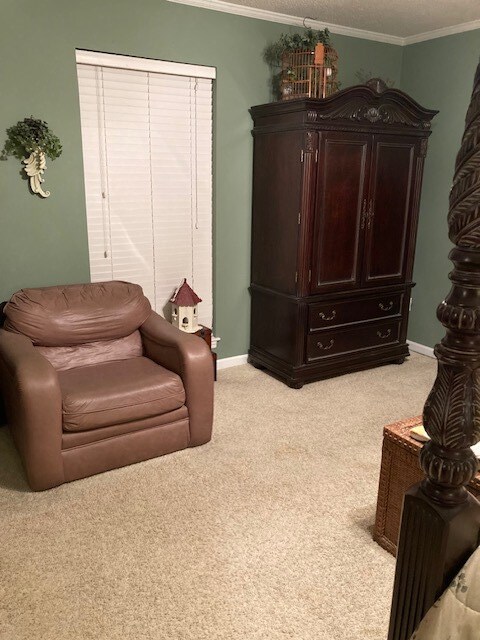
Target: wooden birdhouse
{"type": "Point", "coordinates": [184, 308]}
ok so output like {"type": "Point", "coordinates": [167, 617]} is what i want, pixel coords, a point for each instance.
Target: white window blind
{"type": "Point", "coordinates": [147, 148]}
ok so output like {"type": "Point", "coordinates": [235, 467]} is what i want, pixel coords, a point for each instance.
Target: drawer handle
{"type": "Point", "coordinates": [322, 316]}
{"type": "Point", "coordinates": [386, 307]}
{"type": "Point", "coordinates": [384, 335]}
{"type": "Point", "coordinates": [326, 347]}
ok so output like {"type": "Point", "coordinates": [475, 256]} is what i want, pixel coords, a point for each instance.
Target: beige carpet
{"type": "Point", "coordinates": [265, 533]}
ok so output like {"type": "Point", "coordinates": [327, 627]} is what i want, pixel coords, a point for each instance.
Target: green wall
{"type": "Point", "coordinates": [44, 242]}
{"type": "Point", "coordinates": [439, 74]}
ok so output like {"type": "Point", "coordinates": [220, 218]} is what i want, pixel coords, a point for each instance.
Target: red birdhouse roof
{"type": "Point", "coordinates": [185, 296]}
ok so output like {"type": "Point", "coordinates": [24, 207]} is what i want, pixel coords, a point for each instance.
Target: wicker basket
{"type": "Point", "coordinates": [399, 471]}
{"type": "Point", "coordinates": [309, 74]}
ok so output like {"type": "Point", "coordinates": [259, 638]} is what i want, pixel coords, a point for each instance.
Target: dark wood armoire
{"type": "Point", "coordinates": [336, 192]}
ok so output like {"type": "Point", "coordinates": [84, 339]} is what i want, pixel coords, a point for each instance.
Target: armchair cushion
{"type": "Point", "coordinates": [63, 316]}
{"type": "Point", "coordinates": [82, 355]}
{"type": "Point", "coordinates": [112, 393]}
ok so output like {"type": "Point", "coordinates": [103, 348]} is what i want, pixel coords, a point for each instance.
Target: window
{"type": "Point", "coordinates": [147, 149]}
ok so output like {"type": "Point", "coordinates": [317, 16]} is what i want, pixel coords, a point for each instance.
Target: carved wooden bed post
{"type": "Point", "coordinates": [441, 520]}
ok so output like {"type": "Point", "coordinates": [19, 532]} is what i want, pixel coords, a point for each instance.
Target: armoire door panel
{"type": "Point", "coordinates": [277, 197]}
{"type": "Point", "coordinates": [340, 204]}
{"type": "Point", "coordinates": [389, 209]}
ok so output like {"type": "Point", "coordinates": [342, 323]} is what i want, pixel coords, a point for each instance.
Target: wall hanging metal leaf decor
{"type": "Point", "coordinates": [35, 166]}
{"type": "Point", "coordinates": [32, 138]}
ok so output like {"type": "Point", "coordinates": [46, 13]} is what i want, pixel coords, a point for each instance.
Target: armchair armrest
{"type": "Point", "coordinates": [33, 403]}
{"type": "Point", "coordinates": [190, 358]}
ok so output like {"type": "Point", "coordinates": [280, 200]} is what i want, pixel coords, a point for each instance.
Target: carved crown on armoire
{"type": "Point", "coordinates": [336, 194]}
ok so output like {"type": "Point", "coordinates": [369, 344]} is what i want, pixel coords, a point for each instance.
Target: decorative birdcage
{"type": "Point", "coordinates": [309, 74]}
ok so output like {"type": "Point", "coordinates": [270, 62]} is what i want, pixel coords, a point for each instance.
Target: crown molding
{"type": "Point", "coordinates": [283, 18]}
{"type": "Point", "coordinates": [441, 33]}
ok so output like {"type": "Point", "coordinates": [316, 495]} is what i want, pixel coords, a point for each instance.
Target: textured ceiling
{"type": "Point", "coordinates": [401, 18]}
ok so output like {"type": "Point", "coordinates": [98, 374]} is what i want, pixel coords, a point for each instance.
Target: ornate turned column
{"type": "Point", "coordinates": [441, 520]}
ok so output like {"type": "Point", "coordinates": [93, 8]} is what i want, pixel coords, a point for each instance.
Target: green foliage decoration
{"type": "Point", "coordinates": [31, 135]}
{"type": "Point", "coordinates": [272, 54]}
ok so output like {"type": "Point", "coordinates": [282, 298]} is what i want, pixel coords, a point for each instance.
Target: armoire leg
{"type": "Point", "coordinates": [295, 384]}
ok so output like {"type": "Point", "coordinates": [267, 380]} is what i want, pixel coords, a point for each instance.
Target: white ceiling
{"type": "Point", "coordinates": [399, 21]}
{"type": "Point", "coordinates": [394, 17]}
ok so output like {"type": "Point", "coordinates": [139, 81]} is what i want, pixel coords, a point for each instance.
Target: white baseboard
{"type": "Point", "coordinates": [234, 361]}
{"type": "Point", "coordinates": [421, 348]}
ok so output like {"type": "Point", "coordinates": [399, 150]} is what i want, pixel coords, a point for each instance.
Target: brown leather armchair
{"type": "Point", "coordinates": [93, 379]}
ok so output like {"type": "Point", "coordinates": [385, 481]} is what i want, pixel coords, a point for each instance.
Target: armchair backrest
{"type": "Point", "coordinates": [74, 325]}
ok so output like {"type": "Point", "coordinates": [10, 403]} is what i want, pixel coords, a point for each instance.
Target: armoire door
{"type": "Point", "coordinates": [277, 194]}
{"type": "Point", "coordinates": [390, 201]}
{"type": "Point", "coordinates": [340, 204]}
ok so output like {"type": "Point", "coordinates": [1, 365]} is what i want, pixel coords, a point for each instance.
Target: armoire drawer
{"type": "Point", "coordinates": [331, 314]}
{"type": "Point", "coordinates": [331, 343]}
